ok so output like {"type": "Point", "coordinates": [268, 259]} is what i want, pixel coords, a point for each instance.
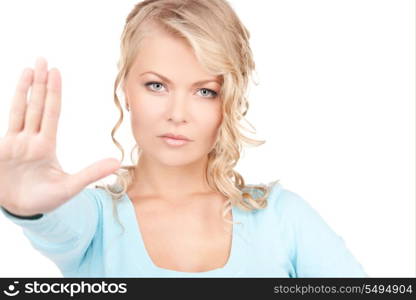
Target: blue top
{"type": "Point", "coordinates": [288, 238]}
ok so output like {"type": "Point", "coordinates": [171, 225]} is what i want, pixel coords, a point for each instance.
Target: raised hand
{"type": "Point", "coordinates": [31, 179]}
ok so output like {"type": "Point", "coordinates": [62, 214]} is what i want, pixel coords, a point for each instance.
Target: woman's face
{"type": "Point", "coordinates": [172, 102]}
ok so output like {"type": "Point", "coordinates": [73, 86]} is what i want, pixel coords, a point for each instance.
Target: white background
{"type": "Point", "coordinates": [335, 103]}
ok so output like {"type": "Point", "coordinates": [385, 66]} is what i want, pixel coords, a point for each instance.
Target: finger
{"type": "Point", "coordinates": [52, 107]}
{"type": "Point", "coordinates": [90, 174]}
{"type": "Point", "coordinates": [18, 107]}
{"type": "Point", "coordinates": [37, 97]}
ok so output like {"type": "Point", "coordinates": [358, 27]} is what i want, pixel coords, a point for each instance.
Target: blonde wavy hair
{"type": "Point", "coordinates": [221, 44]}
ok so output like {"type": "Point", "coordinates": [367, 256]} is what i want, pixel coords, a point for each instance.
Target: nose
{"type": "Point", "coordinates": [178, 107]}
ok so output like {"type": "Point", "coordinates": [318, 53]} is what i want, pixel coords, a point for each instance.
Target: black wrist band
{"type": "Point", "coordinates": [33, 217]}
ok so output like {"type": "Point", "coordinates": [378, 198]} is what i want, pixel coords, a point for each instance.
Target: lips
{"type": "Point", "coordinates": [176, 136]}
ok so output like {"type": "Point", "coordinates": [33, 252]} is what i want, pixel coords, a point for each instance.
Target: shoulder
{"type": "Point", "coordinates": [316, 250]}
{"type": "Point", "coordinates": [290, 204]}
{"type": "Point", "coordinates": [97, 196]}
{"type": "Point", "coordinates": [98, 193]}
{"type": "Point", "coordinates": [289, 211]}
{"type": "Point", "coordinates": [294, 209]}
{"type": "Point", "coordinates": [286, 209]}
{"type": "Point", "coordinates": [103, 198]}
{"type": "Point", "coordinates": [281, 201]}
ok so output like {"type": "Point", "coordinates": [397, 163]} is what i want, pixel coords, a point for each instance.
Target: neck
{"type": "Point", "coordinates": [156, 180]}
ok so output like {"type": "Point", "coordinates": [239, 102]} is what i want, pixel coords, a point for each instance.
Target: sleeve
{"type": "Point", "coordinates": [317, 251]}
{"type": "Point", "coordinates": [32, 217]}
{"type": "Point", "coordinates": [64, 234]}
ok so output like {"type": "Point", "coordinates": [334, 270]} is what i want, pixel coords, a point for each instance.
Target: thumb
{"type": "Point", "coordinates": [100, 169]}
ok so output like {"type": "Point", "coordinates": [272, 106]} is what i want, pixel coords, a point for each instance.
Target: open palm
{"type": "Point", "coordinates": [31, 179]}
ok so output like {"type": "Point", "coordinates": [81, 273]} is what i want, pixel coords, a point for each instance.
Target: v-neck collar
{"type": "Point", "coordinates": [235, 263]}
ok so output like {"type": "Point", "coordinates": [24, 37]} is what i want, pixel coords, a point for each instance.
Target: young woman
{"type": "Point", "coordinates": [181, 209]}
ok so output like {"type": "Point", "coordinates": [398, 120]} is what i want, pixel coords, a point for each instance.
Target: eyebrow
{"type": "Point", "coordinates": [170, 82]}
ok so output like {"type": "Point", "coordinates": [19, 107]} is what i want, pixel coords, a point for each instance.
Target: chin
{"type": "Point", "coordinates": [177, 159]}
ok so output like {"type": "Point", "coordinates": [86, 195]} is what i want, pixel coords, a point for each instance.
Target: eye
{"type": "Point", "coordinates": [152, 83]}
{"type": "Point", "coordinates": [205, 91]}
{"type": "Point", "coordinates": [210, 92]}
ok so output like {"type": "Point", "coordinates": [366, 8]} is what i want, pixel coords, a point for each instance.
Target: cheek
{"type": "Point", "coordinates": [145, 110]}
{"type": "Point", "coordinates": [143, 121]}
{"type": "Point", "coordinates": [210, 121]}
